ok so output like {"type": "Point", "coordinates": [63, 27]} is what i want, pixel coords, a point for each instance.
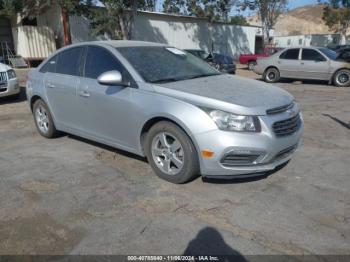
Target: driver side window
{"type": "Point", "coordinates": [100, 60]}
{"type": "Point", "coordinates": [312, 55]}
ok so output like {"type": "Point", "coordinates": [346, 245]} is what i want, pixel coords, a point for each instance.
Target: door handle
{"type": "Point", "coordinates": [84, 93]}
{"type": "Point", "coordinates": [50, 85]}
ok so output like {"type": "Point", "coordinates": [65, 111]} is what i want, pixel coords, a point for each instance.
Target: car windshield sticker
{"type": "Point", "coordinates": [175, 51]}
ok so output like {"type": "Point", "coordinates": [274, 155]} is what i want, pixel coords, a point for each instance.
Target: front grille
{"type": "Point", "coordinates": [287, 127]}
{"type": "Point", "coordinates": [279, 109]}
{"type": "Point", "coordinates": [3, 79]}
{"type": "Point", "coordinates": [2, 90]}
{"type": "Point", "coordinates": [234, 159]}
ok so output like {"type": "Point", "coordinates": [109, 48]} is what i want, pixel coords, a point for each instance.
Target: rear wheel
{"type": "Point", "coordinates": [251, 65]}
{"type": "Point", "coordinates": [342, 78]}
{"type": "Point", "coordinates": [171, 153]}
{"type": "Point", "coordinates": [271, 75]}
{"type": "Point", "coordinates": [43, 120]}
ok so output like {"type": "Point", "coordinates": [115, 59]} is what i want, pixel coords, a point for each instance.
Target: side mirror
{"type": "Point", "coordinates": [112, 78]}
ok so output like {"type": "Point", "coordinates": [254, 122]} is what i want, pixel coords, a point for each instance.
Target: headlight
{"type": "Point", "coordinates": [231, 122]}
{"type": "Point", "coordinates": [11, 74]}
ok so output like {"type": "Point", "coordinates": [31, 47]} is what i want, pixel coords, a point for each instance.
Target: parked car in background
{"type": "Point", "coordinates": [344, 54]}
{"type": "Point", "coordinates": [337, 47]}
{"type": "Point", "coordinates": [318, 63]}
{"type": "Point", "coordinates": [250, 59]}
{"type": "Point", "coordinates": [160, 102]}
{"type": "Point", "coordinates": [223, 63]}
{"type": "Point", "coordinates": [8, 82]}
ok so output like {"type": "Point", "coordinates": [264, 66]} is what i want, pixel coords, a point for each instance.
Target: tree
{"type": "Point", "coordinates": [173, 6]}
{"type": "Point", "coordinates": [336, 15]}
{"type": "Point", "coordinates": [32, 8]}
{"type": "Point", "coordinates": [238, 20]}
{"type": "Point", "coordinates": [116, 17]}
{"type": "Point", "coordinates": [268, 11]}
{"type": "Point", "coordinates": [9, 8]}
{"type": "Point", "coordinates": [214, 10]}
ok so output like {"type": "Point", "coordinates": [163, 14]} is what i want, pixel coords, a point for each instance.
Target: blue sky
{"type": "Point", "coordinates": [297, 3]}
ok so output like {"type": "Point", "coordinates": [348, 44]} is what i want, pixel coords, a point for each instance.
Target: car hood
{"type": "Point", "coordinates": [226, 92]}
{"type": "Point", "coordinates": [4, 67]}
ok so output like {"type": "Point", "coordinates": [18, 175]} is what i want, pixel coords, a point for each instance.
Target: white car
{"type": "Point", "coordinates": [8, 82]}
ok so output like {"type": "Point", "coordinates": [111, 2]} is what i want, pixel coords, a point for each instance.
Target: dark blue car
{"type": "Point", "coordinates": [221, 62]}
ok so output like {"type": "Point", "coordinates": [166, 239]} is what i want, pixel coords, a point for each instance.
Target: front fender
{"type": "Point", "coordinates": [190, 118]}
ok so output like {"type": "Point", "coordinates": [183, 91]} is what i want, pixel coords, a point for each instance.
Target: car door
{"type": "Point", "coordinates": [288, 63]}
{"type": "Point", "coordinates": [104, 111]}
{"type": "Point", "coordinates": [314, 65]}
{"type": "Point", "coordinates": [61, 85]}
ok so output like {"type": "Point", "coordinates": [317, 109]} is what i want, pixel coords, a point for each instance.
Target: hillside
{"type": "Point", "coordinates": [302, 20]}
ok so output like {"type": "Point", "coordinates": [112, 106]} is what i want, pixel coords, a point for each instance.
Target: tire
{"type": "Point", "coordinates": [271, 75]}
{"type": "Point", "coordinates": [171, 153]}
{"type": "Point", "coordinates": [43, 120]}
{"type": "Point", "coordinates": [251, 65]}
{"type": "Point", "coordinates": [342, 78]}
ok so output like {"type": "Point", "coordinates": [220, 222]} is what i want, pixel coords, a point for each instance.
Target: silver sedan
{"type": "Point", "coordinates": [160, 102]}
{"type": "Point", "coordinates": [317, 63]}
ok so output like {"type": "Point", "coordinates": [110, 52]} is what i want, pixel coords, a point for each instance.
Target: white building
{"type": "Point", "coordinates": [184, 32]}
{"type": "Point", "coordinates": [307, 40]}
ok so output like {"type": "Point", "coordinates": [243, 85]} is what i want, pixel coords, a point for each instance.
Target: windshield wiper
{"type": "Point", "coordinates": [165, 80]}
{"type": "Point", "coordinates": [173, 79]}
{"type": "Point", "coordinates": [202, 75]}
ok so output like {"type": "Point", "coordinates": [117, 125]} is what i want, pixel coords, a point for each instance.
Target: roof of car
{"type": "Point", "coordinates": [194, 50]}
{"type": "Point", "coordinates": [116, 43]}
{"type": "Point", "coordinates": [128, 43]}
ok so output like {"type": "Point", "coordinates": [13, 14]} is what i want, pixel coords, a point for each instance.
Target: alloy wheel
{"type": "Point", "coordinates": [42, 119]}
{"type": "Point", "coordinates": [343, 78]}
{"type": "Point", "coordinates": [167, 153]}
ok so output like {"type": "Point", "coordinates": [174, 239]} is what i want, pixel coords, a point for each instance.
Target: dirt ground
{"type": "Point", "coordinates": [72, 196]}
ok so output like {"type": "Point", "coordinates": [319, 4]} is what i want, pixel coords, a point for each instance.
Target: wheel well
{"type": "Point", "coordinates": [271, 67]}
{"type": "Point", "coordinates": [254, 61]}
{"type": "Point", "coordinates": [33, 100]}
{"type": "Point", "coordinates": [148, 125]}
{"type": "Point", "coordinates": [344, 68]}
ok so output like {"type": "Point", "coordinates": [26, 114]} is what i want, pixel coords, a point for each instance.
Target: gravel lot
{"type": "Point", "coordinates": [72, 196]}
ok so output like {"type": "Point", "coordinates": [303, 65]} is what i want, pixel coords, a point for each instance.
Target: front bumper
{"type": "Point", "coordinates": [269, 147]}
{"type": "Point", "coordinates": [259, 69]}
{"type": "Point", "coordinates": [10, 88]}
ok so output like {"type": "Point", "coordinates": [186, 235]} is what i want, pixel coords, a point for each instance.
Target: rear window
{"type": "Point", "coordinates": [290, 54]}
{"type": "Point", "coordinates": [69, 62]}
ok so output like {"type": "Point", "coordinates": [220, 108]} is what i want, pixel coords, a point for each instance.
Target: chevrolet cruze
{"type": "Point", "coordinates": [157, 101]}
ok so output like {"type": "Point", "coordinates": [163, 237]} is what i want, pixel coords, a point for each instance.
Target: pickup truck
{"type": "Point", "coordinates": [250, 59]}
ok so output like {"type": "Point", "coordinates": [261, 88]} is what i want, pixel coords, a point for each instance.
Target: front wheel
{"type": "Point", "coordinates": [271, 75]}
{"type": "Point", "coordinates": [43, 120]}
{"type": "Point", "coordinates": [342, 78]}
{"type": "Point", "coordinates": [171, 153]}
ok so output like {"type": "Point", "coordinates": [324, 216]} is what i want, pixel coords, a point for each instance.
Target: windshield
{"type": "Point", "coordinates": [165, 64]}
{"type": "Point", "coordinates": [329, 53]}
